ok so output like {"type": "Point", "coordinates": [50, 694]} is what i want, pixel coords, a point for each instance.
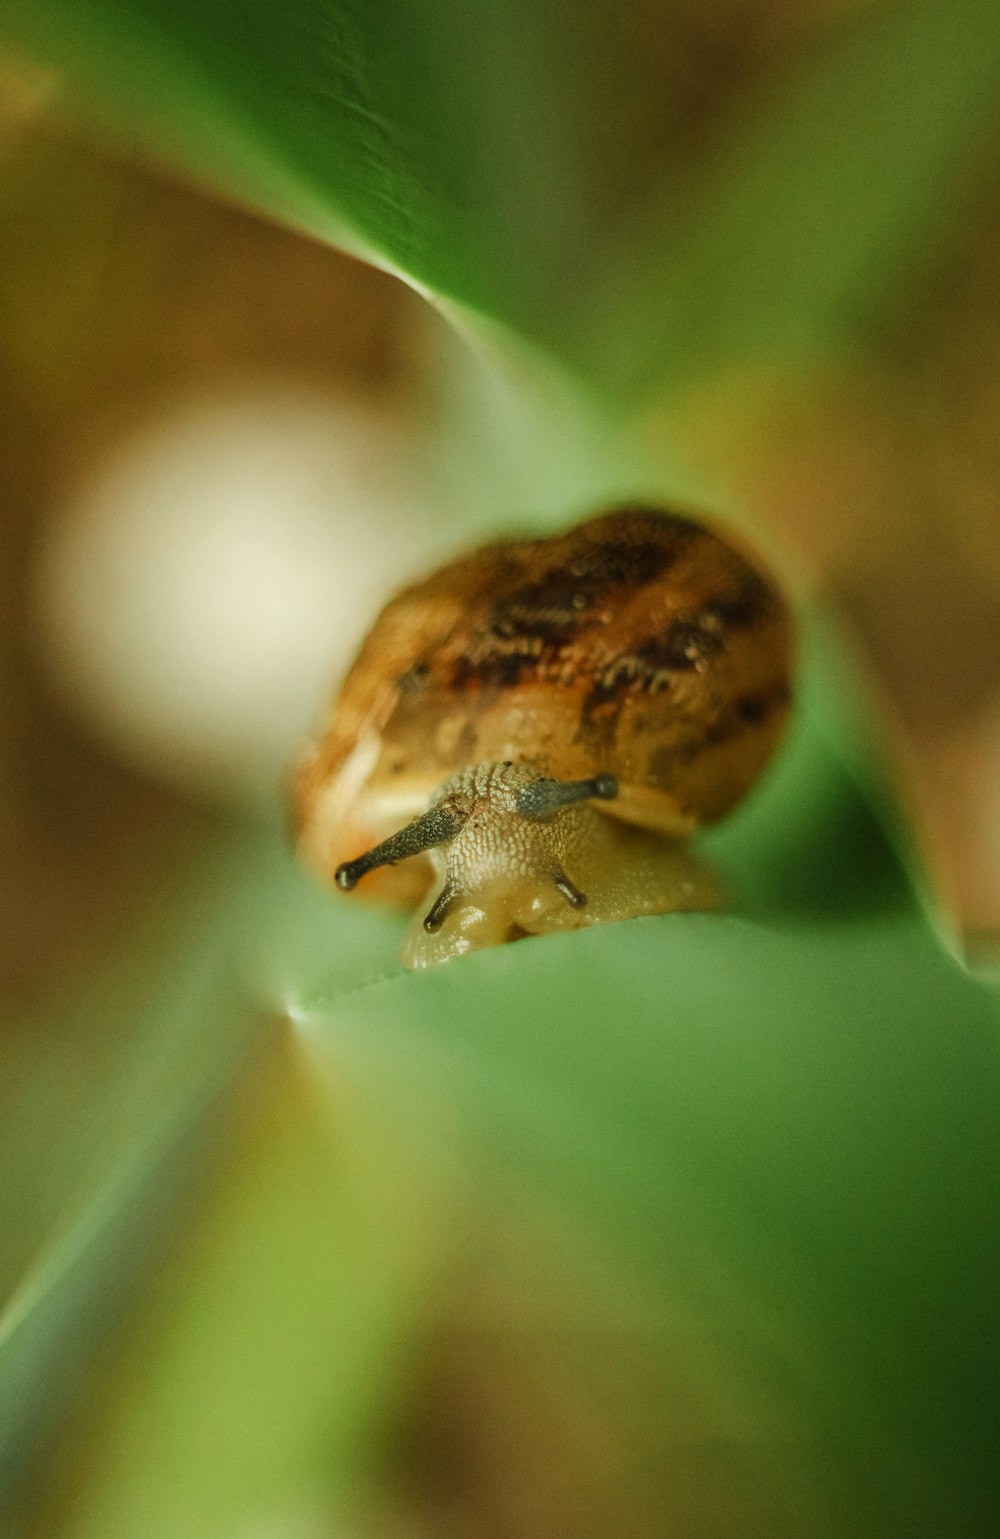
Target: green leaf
{"type": "Point", "coordinates": [493, 161]}
{"type": "Point", "coordinates": [808, 1117]}
{"type": "Point", "coordinates": [279, 1335]}
{"type": "Point", "coordinates": [407, 133]}
{"type": "Point", "coordinates": [780, 1122]}
{"type": "Point", "coordinates": [106, 1108]}
{"type": "Point", "coordinates": [736, 1164]}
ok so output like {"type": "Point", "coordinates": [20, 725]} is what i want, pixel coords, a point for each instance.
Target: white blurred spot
{"type": "Point", "coordinates": [202, 593]}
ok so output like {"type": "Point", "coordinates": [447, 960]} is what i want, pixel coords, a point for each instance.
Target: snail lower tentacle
{"type": "Point", "coordinates": [441, 907]}
{"type": "Point", "coordinates": [574, 897]}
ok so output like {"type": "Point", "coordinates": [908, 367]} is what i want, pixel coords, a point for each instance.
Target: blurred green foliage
{"type": "Point", "coordinates": [747, 1161]}
{"type": "Point", "coordinates": [502, 159]}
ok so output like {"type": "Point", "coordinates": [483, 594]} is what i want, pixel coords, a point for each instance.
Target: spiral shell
{"type": "Point", "coordinates": [638, 644]}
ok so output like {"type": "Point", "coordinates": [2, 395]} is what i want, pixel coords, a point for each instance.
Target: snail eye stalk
{"type": "Point", "coordinates": [544, 797]}
{"type": "Point", "coordinates": [438, 825]}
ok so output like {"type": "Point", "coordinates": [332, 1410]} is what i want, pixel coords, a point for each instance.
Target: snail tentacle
{"type": "Point", "coordinates": [574, 897]}
{"type": "Point", "coordinates": [543, 797]}
{"type": "Point", "coordinates": [438, 825]}
{"type": "Point", "coordinates": [442, 906]}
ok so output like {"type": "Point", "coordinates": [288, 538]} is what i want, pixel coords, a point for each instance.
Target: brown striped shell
{"type": "Point", "coordinates": [638, 644]}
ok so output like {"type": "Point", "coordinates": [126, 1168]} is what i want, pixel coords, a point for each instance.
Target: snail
{"type": "Point", "coordinates": [528, 736]}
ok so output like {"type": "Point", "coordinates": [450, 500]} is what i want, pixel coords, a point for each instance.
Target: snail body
{"type": "Point", "coordinates": [555, 717]}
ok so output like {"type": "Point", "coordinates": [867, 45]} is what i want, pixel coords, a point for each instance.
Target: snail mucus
{"type": "Point", "coordinates": [529, 736]}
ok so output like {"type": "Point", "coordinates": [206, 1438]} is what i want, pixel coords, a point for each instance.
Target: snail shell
{"type": "Point", "coordinates": [637, 651]}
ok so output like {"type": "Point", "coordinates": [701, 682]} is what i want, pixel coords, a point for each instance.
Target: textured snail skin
{"type": "Point", "coordinates": [505, 876]}
{"type": "Point", "coordinates": [638, 646]}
